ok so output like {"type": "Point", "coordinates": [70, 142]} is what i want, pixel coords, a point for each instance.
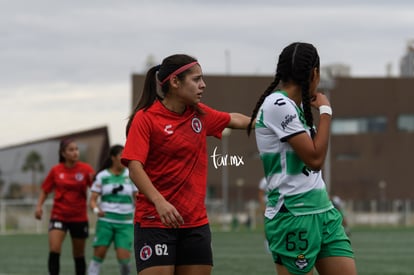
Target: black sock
{"type": "Point", "coordinates": [80, 265]}
{"type": "Point", "coordinates": [53, 263]}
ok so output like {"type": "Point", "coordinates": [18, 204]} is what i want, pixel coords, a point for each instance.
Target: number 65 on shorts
{"type": "Point", "coordinates": [297, 242]}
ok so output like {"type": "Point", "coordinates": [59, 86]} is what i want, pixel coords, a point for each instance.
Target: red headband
{"type": "Point", "coordinates": [178, 71]}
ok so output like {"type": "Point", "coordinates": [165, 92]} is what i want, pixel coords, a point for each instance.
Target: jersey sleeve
{"type": "Point", "coordinates": [138, 140]}
{"type": "Point", "coordinates": [128, 179]}
{"type": "Point", "coordinates": [90, 174]}
{"type": "Point", "coordinates": [215, 121]}
{"type": "Point", "coordinates": [282, 117]}
{"type": "Point", "coordinates": [49, 184]}
{"type": "Point", "coordinates": [134, 187]}
{"type": "Point", "coordinates": [262, 184]}
{"type": "Point", "coordinates": [97, 183]}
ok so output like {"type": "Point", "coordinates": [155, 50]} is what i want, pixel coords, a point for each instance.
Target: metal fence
{"type": "Point", "coordinates": [380, 212]}
{"type": "Point", "coordinates": [17, 216]}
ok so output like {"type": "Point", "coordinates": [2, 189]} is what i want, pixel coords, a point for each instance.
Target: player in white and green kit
{"type": "Point", "coordinates": [302, 227]}
{"type": "Point", "coordinates": [115, 212]}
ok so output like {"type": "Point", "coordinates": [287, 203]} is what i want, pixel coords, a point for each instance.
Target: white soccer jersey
{"type": "Point", "coordinates": [263, 187]}
{"type": "Point", "coordinates": [116, 196]}
{"type": "Point", "coordinates": [290, 182]}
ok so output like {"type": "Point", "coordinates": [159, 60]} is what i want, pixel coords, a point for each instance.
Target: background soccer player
{"type": "Point", "coordinates": [69, 181]}
{"type": "Point", "coordinates": [115, 212]}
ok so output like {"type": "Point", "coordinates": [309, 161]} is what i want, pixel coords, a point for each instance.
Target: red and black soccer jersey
{"type": "Point", "coordinates": [70, 188]}
{"type": "Point", "coordinates": [172, 149]}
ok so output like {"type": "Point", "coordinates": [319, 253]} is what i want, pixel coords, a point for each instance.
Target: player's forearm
{"type": "Point", "coordinates": [321, 140]}
{"type": "Point", "coordinates": [41, 199]}
{"type": "Point", "coordinates": [141, 180]}
{"type": "Point", "coordinates": [238, 121]}
{"type": "Point", "coordinates": [93, 201]}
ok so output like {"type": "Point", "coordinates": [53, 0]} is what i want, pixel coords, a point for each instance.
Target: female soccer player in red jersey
{"type": "Point", "coordinates": [69, 181]}
{"type": "Point", "coordinates": [166, 154]}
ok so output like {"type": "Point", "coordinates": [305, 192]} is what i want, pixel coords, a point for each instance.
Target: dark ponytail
{"type": "Point", "coordinates": [149, 93]}
{"type": "Point", "coordinates": [304, 61]}
{"type": "Point", "coordinates": [148, 96]}
{"type": "Point", "coordinates": [259, 103]}
{"type": "Point", "coordinates": [62, 147]}
{"type": "Point", "coordinates": [113, 152]}
{"type": "Point", "coordinates": [296, 64]}
{"type": "Point", "coordinates": [307, 108]}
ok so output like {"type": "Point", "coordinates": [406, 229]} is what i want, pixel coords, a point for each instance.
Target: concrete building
{"type": "Point", "coordinates": [372, 140]}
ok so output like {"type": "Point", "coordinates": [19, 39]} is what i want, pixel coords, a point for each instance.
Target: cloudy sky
{"type": "Point", "coordinates": [66, 65]}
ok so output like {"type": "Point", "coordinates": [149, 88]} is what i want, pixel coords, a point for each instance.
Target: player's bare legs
{"type": "Point", "coordinates": [56, 238]}
{"type": "Point", "coordinates": [336, 265]}
{"type": "Point", "coordinates": [282, 270]}
{"type": "Point", "coordinates": [158, 270]}
{"type": "Point", "coordinates": [193, 269]}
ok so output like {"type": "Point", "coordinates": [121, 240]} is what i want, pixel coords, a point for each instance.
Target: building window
{"type": "Point", "coordinates": [354, 126]}
{"type": "Point", "coordinates": [406, 123]}
{"type": "Point", "coordinates": [347, 156]}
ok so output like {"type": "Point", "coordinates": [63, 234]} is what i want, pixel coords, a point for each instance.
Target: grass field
{"type": "Point", "coordinates": [381, 251]}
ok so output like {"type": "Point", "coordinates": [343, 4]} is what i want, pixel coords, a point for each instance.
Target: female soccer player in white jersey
{"type": "Point", "coordinates": [302, 227]}
{"type": "Point", "coordinates": [115, 212]}
{"type": "Point", "coordinates": [167, 159]}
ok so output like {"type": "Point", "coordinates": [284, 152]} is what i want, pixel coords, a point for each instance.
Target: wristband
{"type": "Point", "coordinates": [325, 109]}
{"type": "Point", "coordinates": [96, 210]}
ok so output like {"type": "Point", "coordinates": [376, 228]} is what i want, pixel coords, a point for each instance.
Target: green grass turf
{"type": "Point", "coordinates": [379, 251]}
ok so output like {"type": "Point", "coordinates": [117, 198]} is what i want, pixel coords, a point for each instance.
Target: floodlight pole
{"type": "Point", "coordinates": [326, 84]}
{"type": "Point", "coordinates": [224, 172]}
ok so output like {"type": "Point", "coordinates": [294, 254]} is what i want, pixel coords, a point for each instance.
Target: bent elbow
{"type": "Point", "coordinates": [315, 164]}
{"type": "Point", "coordinates": [315, 167]}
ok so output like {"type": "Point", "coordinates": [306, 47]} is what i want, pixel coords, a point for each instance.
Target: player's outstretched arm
{"type": "Point", "coordinates": [238, 121]}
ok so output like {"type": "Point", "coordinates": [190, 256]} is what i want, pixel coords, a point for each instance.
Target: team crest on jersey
{"type": "Point", "coordinates": [145, 253]}
{"type": "Point", "coordinates": [301, 261]}
{"type": "Point", "coordinates": [79, 176]}
{"type": "Point", "coordinates": [196, 125]}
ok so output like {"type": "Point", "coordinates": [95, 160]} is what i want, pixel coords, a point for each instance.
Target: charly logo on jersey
{"type": "Point", "coordinates": [79, 176]}
{"type": "Point", "coordinates": [145, 253]}
{"type": "Point", "coordinates": [168, 129]}
{"type": "Point", "coordinates": [196, 125]}
{"type": "Point", "coordinates": [301, 262]}
{"type": "Point", "coordinates": [280, 102]}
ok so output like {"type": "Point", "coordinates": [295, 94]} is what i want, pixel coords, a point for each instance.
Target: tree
{"type": "Point", "coordinates": [33, 163]}
{"type": "Point", "coordinates": [15, 191]}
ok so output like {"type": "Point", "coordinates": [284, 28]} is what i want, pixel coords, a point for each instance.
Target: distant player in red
{"type": "Point", "coordinates": [69, 181]}
{"type": "Point", "coordinates": [166, 155]}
